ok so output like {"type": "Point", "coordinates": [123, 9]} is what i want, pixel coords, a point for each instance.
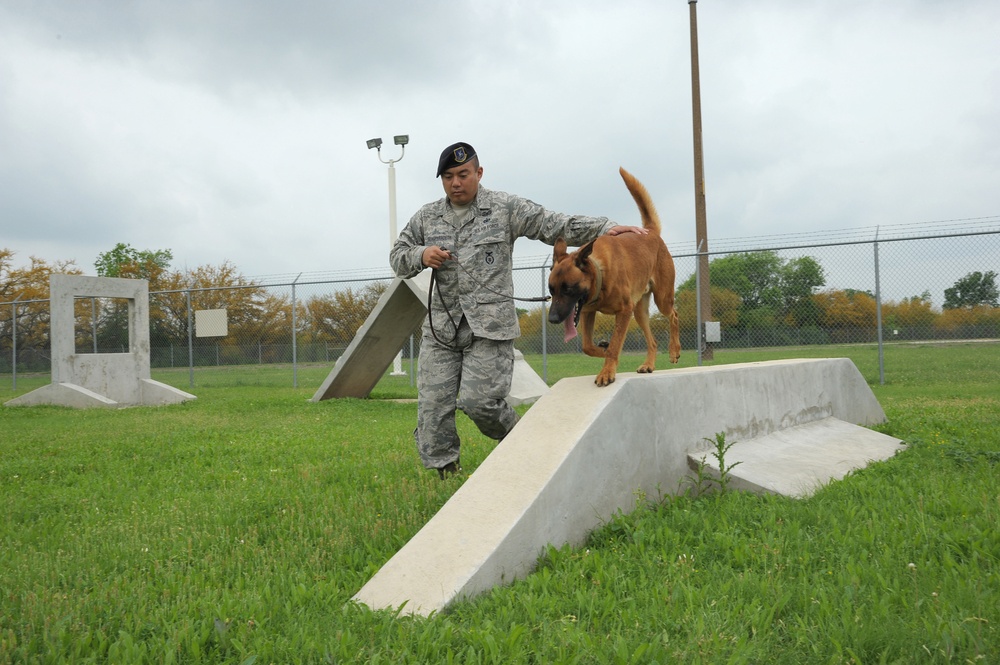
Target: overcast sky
{"type": "Point", "coordinates": [236, 130]}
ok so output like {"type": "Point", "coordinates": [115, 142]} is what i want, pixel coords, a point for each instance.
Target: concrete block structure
{"type": "Point", "coordinates": [398, 314]}
{"type": "Point", "coordinates": [84, 380]}
{"type": "Point", "coordinates": [582, 453]}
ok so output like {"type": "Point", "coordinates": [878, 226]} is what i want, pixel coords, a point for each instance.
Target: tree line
{"type": "Point", "coordinates": [256, 314]}
{"type": "Point", "coordinates": [760, 298]}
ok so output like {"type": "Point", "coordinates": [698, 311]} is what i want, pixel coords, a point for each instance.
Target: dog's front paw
{"type": "Point", "coordinates": [603, 343]}
{"type": "Point", "coordinates": [604, 379]}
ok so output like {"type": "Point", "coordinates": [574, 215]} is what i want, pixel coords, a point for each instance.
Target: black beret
{"type": "Point", "coordinates": [454, 155]}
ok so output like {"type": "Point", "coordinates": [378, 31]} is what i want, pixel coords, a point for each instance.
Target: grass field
{"type": "Point", "coordinates": [236, 527]}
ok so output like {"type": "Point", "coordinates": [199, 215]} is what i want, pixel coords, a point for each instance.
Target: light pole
{"type": "Point", "coordinates": [400, 140]}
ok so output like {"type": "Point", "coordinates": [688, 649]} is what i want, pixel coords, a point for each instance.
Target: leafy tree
{"type": "Point", "coordinates": [799, 279]}
{"type": "Point", "coordinates": [770, 289]}
{"type": "Point", "coordinates": [123, 260]}
{"type": "Point", "coordinates": [966, 322]}
{"type": "Point", "coordinates": [725, 309]}
{"type": "Point", "coordinates": [846, 313]}
{"type": "Point", "coordinates": [754, 276]}
{"type": "Point", "coordinates": [911, 317]}
{"type": "Point", "coordinates": [530, 321]}
{"type": "Point", "coordinates": [973, 290]}
{"type": "Point", "coordinates": [336, 317]}
{"type": "Point", "coordinates": [212, 287]}
{"type": "Point", "coordinates": [30, 283]}
{"type": "Point", "coordinates": [846, 308]}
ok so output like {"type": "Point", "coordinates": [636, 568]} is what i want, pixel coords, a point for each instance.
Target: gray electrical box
{"type": "Point", "coordinates": [713, 331]}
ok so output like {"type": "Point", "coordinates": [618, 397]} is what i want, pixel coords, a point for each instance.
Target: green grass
{"type": "Point", "coordinates": [235, 529]}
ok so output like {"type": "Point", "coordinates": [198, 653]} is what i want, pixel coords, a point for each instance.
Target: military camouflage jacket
{"type": "Point", "coordinates": [483, 244]}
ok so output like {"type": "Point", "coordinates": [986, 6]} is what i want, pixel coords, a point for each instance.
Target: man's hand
{"type": "Point", "coordinates": [618, 230]}
{"type": "Point", "coordinates": [434, 256]}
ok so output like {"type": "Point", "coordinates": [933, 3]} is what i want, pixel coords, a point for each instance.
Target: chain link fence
{"type": "Point", "coordinates": [863, 290]}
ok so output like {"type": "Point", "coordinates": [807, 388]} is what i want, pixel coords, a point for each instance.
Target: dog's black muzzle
{"type": "Point", "coordinates": [558, 311]}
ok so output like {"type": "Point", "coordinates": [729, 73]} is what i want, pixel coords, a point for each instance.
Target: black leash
{"type": "Point", "coordinates": [430, 315]}
{"type": "Point", "coordinates": [430, 296]}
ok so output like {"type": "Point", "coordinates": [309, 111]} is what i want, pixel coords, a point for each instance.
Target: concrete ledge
{"type": "Point", "coordinates": [155, 393]}
{"type": "Point", "coordinates": [581, 452]}
{"type": "Point", "coordinates": [148, 393]}
{"type": "Point", "coordinates": [799, 460]}
{"type": "Point", "coordinates": [63, 394]}
{"type": "Point", "coordinates": [525, 385]}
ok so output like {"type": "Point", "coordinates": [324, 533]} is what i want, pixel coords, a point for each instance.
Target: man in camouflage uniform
{"type": "Point", "coordinates": [467, 348]}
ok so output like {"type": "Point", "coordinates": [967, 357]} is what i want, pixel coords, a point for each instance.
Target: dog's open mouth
{"type": "Point", "coordinates": [572, 321]}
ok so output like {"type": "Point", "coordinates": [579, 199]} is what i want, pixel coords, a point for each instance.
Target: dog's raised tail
{"type": "Point", "coordinates": [647, 210]}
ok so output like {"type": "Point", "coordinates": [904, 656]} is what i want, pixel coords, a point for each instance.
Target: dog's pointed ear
{"type": "Point", "coordinates": [583, 254]}
{"type": "Point", "coordinates": [558, 251]}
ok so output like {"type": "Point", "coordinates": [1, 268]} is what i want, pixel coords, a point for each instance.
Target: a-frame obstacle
{"type": "Point", "coordinates": [581, 453]}
{"type": "Point", "coordinates": [397, 315]}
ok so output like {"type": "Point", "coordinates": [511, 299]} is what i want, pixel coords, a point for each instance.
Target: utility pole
{"type": "Point", "coordinates": [701, 222]}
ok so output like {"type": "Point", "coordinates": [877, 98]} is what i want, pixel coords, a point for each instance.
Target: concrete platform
{"type": "Point", "coordinates": [799, 460]}
{"type": "Point", "coordinates": [580, 454]}
{"type": "Point", "coordinates": [525, 386]}
{"type": "Point", "coordinates": [144, 392]}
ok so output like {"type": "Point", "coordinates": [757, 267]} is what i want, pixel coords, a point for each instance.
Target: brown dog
{"type": "Point", "coordinates": [616, 275]}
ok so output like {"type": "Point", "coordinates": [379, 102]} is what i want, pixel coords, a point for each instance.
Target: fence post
{"type": "Point", "coordinates": [413, 373]}
{"type": "Point", "coordinates": [878, 316]}
{"type": "Point", "coordinates": [190, 340]}
{"type": "Point", "coordinates": [545, 329]}
{"type": "Point", "coordinates": [13, 339]}
{"type": "Point", "coordinates": [295, 367]}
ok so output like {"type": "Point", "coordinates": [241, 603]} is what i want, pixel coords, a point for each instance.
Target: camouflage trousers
{"type": "Point", "coordinates": [472, 374]}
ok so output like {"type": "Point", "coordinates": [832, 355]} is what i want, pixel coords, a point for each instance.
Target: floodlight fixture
{"type": "Point", "coordinates": [401, 140]}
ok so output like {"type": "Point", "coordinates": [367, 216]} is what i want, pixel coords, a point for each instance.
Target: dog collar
{"type": "Point", "coordinates": [600, 280]}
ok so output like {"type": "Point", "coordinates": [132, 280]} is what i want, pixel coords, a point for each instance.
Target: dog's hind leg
{"type": "Point", "coordinates": [675, 336]}
{"type": "Point", "coordinates": [663, 294]}
{"type": "Point", "coordinates": [641, 313]}
{"type": "Point", "coordinates": [665, 303]}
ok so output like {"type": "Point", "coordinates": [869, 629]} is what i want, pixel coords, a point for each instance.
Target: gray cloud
{"type": "Point", "coordinates": [235, 130]}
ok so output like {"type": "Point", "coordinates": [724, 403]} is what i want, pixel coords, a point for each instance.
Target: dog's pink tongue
{"type": "Point", "coordinates": [570, 326]}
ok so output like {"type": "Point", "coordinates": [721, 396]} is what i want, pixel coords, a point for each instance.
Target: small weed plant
{"type": "Point", "coordinates": [704, 480]}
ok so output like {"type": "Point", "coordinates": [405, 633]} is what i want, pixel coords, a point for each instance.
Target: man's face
{"type": "Point", "coordinates": [462, 182]}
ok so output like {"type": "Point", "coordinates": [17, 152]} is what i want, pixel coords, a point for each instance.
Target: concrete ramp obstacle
{"type": "Point", "coordinates": [398, 314]}
{"type": "Point", "coordinates": [582, 452]}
